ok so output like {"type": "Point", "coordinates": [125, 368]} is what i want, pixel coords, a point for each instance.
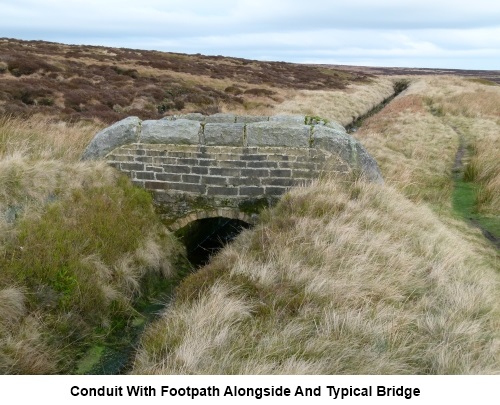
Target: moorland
{"type": "Point", "coordinates": [340, 277]}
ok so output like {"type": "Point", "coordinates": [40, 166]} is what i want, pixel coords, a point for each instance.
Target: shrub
{"type": "Point", "coordinates": [259, 92]}
{"type": "Point", "coordinates": [28, 64]}
{"type": "Point", "coordinates": [76, 260]}
{"type": "Point", "coordinates": [233, 90]}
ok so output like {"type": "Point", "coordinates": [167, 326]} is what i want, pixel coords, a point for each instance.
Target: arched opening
{"type": "Point", "coordinates": [204, 237]}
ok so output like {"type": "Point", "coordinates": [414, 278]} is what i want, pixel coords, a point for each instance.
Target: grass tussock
{"type": "Point", "coordinates": [342, 106]}
{"type": "Point", "coordinates": [482, 165]}
{"type": "Point", "coordinates": [43, 138]}
{"type": "Point", "coordinates": [414, 149]}
{"type": "Point", "coordinates": [76, 242]}
{"type": "Point", "coordinates": [474, 107]}
{"type": "Point", "coordinates": [338, 279]}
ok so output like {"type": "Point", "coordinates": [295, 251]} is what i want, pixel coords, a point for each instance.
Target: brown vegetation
{"type": "Point", "coordinates": [76, 240]}
{"type": "Point", "coordinates": [107, 84]}
{"type": "Point", "coordinates": [340, 277]}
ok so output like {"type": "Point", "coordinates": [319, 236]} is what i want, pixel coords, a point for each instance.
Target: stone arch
{"type": "Point", "coordinates": [230, 213]}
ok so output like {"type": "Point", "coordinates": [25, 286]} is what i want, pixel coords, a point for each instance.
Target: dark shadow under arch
{"type": "Point", "coordinates": [204, 237]}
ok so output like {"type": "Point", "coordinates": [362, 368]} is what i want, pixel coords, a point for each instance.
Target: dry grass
{"type": "Point", "coordinates": [339, 279]}
{"type": "Point", "coordinates": [81, 82]}
{"type": "Point", "coordinates": [43, 138]}
{"type": "Point", "coordinates": [343, 106]}
{"type": "Point", "coordinates": [353, 278]}
{"type": "Point", "coordinates": [473, 107]}
{"type": "Point", "coordinates": [23, 349]}
{"type": "Point", "coordinates": [414, 148]}
{"type": "Point", "coordinates": [76, 241]}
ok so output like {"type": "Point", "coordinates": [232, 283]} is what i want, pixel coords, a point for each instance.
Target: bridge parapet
{"type": "Point", "coordinates": [233, 130]}
{"type": "Point", "coordinates": [194, 163]}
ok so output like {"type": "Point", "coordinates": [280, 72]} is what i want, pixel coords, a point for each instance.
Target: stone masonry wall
{"type": "Point", "coordinates": [243, 131]}
{"type": "Point", "coordinates": [196, 165]}
{"type": "Point", "coordinates": [188, 178]}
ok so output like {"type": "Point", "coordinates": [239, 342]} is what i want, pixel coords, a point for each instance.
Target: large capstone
{"type": "Point", "coordinates": [121, 133]}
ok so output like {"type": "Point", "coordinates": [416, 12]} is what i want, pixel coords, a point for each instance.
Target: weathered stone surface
{"type": "Point", "coordinates": [278, 134]}
{"type": "Point", "coordinates": [201, 177]}
{"type": "Point", "coordinates": [181, 131]}
{"type": "Point", "coordinates": [210, 165]}
{"type": "Point", "coordinates": [221, 118]}
{"type": "Point", "coordinates": [349, 150]}
{"type": "Point", "coordinates": [121, 133]}
{"type": "Point", "coordinates": [224, 134]}
{"type": "Point", "coordinates": [335, 125]}
{"type": "Point", "coordinates": [251, 118]}
{"type": "Point", "coordinates": [368, 164]}
{"type": "Point", "coordinates": [288, 119]}
{"type": "Point", "coordinates": [192, 116]}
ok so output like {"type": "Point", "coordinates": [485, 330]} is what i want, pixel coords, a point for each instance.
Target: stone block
{"type": "Point", "coordinates": [168, 177]}
{"type": "Point", "coordinates": [276, 191]}
{"type": "Point", "coordinates": [191, 178]}
{"type": "Point", "coordinates": [187, 161]}
{"type": "Point", "coordinates": [155, 169]}
{"type": "Point", "coordinates": [253, 158]}
{"type": "Point", "coordinates": [244, 181]}
{"type": "Point", "coordinates": [348, 149]}
{"type": "Point", "coordinates": [280, 173]}
{"type": "Point", "coordinates": [257, 165]}
{"type": "Point", "coordinates": [333, 140]}
{"type": "Point", "coordinates": [145, 175]}
{"type": "Point", "coordinates": [278, 134]}
{"type": "Point", "coordinates": [121, 133]}
{"type": "Point", "coordinates": [192, 116]}
{"type": "Point", "coordinates": [188, 187]}
{"type": "Point", "coordinates": [335, 125]}
{"type": "Point", "coordinates": [251, 118]}
{"type": "Point", "coordinates": [132, 166]}
{"type": "Point", "coordinates": [176, 169]}
{"type": "Point", "coordinates": [155, 185]}
{"type": "Point", "coordinates": [144, 159]}
{"type": "Point", "coordinates": [252, 191]}
{"type": "Point", "coordinates": [254, 172]}
{"type": "Point", "coordinates": [224, 134]}
{"type": "Point", "coordinates": [199, 170]}
{"type": "Point", "coordinates": [223, 171]}
{"type": "Point", "coordinates": [222, 191]}
{"type": "Point", "coordinates": [213, 180]}
{"type": "Point", "coordinates": [221, 118]}
{"type": "Point", "coordinates": [288, 119]}
{"type": "Point", "coordinates": [181, 131]}
{"type": "Point", "coordinates": [232, 163]}
{"type": "Point", "coordinates": [284, 182]}
{"type": "Point", "coordinates": [206, 162]}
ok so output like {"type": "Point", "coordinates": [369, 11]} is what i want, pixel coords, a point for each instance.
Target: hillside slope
{"type": "Point", "coordinates": [108, 84]}
{"type": "Point", "coordinates": [344, 277]}
{"type": "Point", "coordinates": [341, 277]}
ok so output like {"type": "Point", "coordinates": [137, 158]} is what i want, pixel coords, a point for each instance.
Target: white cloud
{"type": "Point", "coordinates": [411, 32]}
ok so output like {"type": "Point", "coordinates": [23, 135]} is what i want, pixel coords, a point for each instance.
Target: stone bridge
{"type": "Point", "coordinates": [226, 165]}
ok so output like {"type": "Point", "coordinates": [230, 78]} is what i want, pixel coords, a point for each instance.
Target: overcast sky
{"type": "Point", "coordinates": [407, 33]}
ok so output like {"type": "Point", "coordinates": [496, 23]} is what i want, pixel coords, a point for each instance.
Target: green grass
{"type": "Point", "coordinates": [464, 202]}
{"type": "Point", "coordinates": [90, 359]}
{"type": "Point", "coordinates": [80, 262]}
